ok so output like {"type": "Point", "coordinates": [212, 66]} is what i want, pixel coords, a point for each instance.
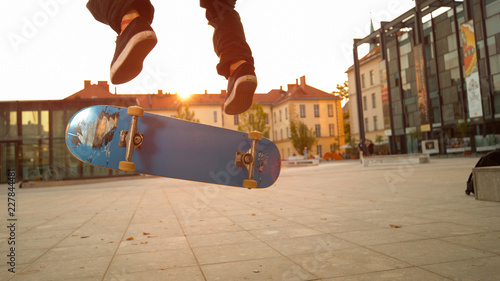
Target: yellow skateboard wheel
{"type": "Point", "coordinates": [135, 111]}
{"type": "Point", "coordinates": [126, 166]}
{"type": "Point", "coordinates": [255, 135]}
{"type": "Point", "coordinates": [249, 183]}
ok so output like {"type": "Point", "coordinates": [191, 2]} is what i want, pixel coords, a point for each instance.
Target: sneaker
{"type": "Point", "coordinates": [240, 89]}
{"type": "Point", "coordinates": [132, 47]}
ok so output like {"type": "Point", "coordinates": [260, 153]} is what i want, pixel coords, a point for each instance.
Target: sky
{"type": "Point", "coordinates": [49, 47]}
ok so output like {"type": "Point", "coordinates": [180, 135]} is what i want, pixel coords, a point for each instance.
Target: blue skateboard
{"type": "Point", "coordinates": [129, 139]}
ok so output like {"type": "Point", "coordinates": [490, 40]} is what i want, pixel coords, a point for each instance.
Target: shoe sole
{"type": "Point", "coordinates": [129, 63]}
{"type": "Point", "coordinates": [241, 100]}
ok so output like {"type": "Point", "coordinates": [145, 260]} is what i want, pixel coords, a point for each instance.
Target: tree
{"type": "Point", "coordinates": [254, 119]}
{"type": "Point", "coordinates": [184, 113]}
{"type": "Point", "coordinates": [378, 140]}
{"type": "Point", "coordinates": [302, 136]}
{"type": "Point", "coordinates": [342, 91]}
{"type": "Point", "coordinates": [352, 149]}
{"type": "Point", "coordinates": [347, 126]}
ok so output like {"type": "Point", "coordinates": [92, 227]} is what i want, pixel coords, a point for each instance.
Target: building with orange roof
{"type": "Point", "coordinates": [319, 110]}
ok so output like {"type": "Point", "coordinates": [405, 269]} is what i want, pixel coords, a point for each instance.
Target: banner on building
{"type": "Point", "coordinates": [384, 91]}
{"type": "Point", "coordinates": [471, 70]}
{"type": "Point", "coordinates": [423, 102]}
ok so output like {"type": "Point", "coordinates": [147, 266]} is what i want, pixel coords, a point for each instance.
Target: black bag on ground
{"type": "Point", "coordinates": [489, 159]}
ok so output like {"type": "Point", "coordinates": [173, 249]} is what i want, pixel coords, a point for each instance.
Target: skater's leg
{"type": "Point", "coordinates": [236, 60]}
{"type": "Point", "coordinates": [131, 19]}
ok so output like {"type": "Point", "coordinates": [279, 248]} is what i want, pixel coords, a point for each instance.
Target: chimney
{"type": "Point", "coordinates": [296, 81]}
{"type": "Point", "coordinates": [206, 92]}
{"type": "Point", "coordinates": [86, 84]}
{"type": "Point", "coordinates": [223, 93]}
{"type": "Point", "coordinates": [160, 92]}
{"type": "Point", "coordinates": [281, 88]}
{"type": "Point", "coordinates": [103, 84]}
{"type": "Point", "coordinates": [303, 82]}
{"type": "Point", "coordinates": [291, 87]}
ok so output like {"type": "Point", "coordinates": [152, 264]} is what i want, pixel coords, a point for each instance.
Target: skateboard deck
{"type": "Point", "coordinates": [170, 147]}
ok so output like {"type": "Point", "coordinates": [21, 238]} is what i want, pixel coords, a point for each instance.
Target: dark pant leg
{"type": "Point", "coordinates": [229, 40]}
{"type": "Point", "coordinates": [110, 12]}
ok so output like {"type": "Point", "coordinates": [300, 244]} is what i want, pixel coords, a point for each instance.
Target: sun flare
{"type": "Point", "coordinates": [184, 95]}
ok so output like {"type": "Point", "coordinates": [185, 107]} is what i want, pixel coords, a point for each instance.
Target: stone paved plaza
{"type": "Point", "coordinates": [336, 221]}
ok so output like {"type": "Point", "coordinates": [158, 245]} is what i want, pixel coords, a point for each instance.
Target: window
{"type": "Point", "coordinates": [331, 129]}
{"type": "Point", "coordinates": [372, 77]}
{"type": "Point", "coordinates": [330, 110]}
{"type": "Point", "coordinates": [302, 111]}
{"type": "Point", "coordinates": [287, 132]}
{"type": "Point", "coordinates": [375, 127]}
{"type": "Point", "coordinates": [319, 149]}
{"type": "Point", "coordinates": [215, 116]}
{"type": "Point", "coordinates": [374, 103]}
{"type": "Point", "coordinates": [318, 130]}
{"type": "Point", "coordinates": [280, 116]}
{"type": "Point", "coordinates": [236, 120]}
{"type": "Point", "coordinates": [275, 117]}
{"type": "Point", "coordinates": [362, 81]}
{"type": "Point", "coordinates": [250, 118]}
{"type": "Point", "coordinates": [316, 110]}
{"type": "Point", "coordinates": [267, 118]}
{"type": "Point", "coordinates": [365, 105]}
{"type": "Point", "coordinates": [286, 113]}
{"type": "Point", "coordinates": [281, 133]}
{"type": "Point", "coordinates": [366, 125]}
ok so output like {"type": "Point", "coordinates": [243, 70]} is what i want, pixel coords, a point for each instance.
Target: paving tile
{"type": "Point", "coordinates": [191, 273]}
{"type": "Point", "coordinates": [345, 226]}
{"type": "Point", "coordinates": [378, 236]}
{"type": "Point", "coordinates": [152, 261]}
{"type": "Point", "coordinates": [252, 217]}
{"type": "Point", "coordinates": [203, 226]}
{"type": "Point", "coordinates": [5, 274]}
{"type": "Point", "coordinates": [486, 269]}
{"type": "Point", "coordinates": [148, 243]}
{"type": "Point", "coordinates": [38, 243]}
{"type": "Point", "coordinates": [404, 274]}
{"type": "Point", "coordinates": [284, 232]}
{"type": "Point", "coordinates": [196, 241]}
{"type": "Point", "coordinates": [267, 224]}
{"type": "Point", "coordinates": [158, 228]}
{"type": "Point", "coordinates": [480, 221]}
{"type": "Point", "coordinates": [91, 237]}
{"type": "Point", "coordinates": [395, 218]}
{"type": "Point", "coordinates": [276, 268]}
{"type": "Point", "coordinates": [309, 244]}
{"type": "Point", "coordinates": [38, 233]}
{"type": "Point", "coordinates": [234, 252]}
{"type": "Point", "coordinates": [314, 218]}
{"type": "Point", "coordinates": [488, 242]}
{"type": "Point", "coordinates": [443, 229]}
{"type": "Point", "coordinates": [61, 254]}
{"type": "Point", "coordinates": [66, 270]}
{"type": "Point", "coordinates": [431, 251]}
{"type": "Point", "coordinates": [328, 264]}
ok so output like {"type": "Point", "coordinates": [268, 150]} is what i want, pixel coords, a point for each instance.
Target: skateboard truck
{"type": "Point", "coordinates": [131, 139]}
{"type": "Point", "coordinates": [247, 159]}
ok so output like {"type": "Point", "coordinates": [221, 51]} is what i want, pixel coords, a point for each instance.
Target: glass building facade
{"type": "Point", "coordinates": [32, 140]}
{"type": "Point", "coordinates": [443, 76]}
